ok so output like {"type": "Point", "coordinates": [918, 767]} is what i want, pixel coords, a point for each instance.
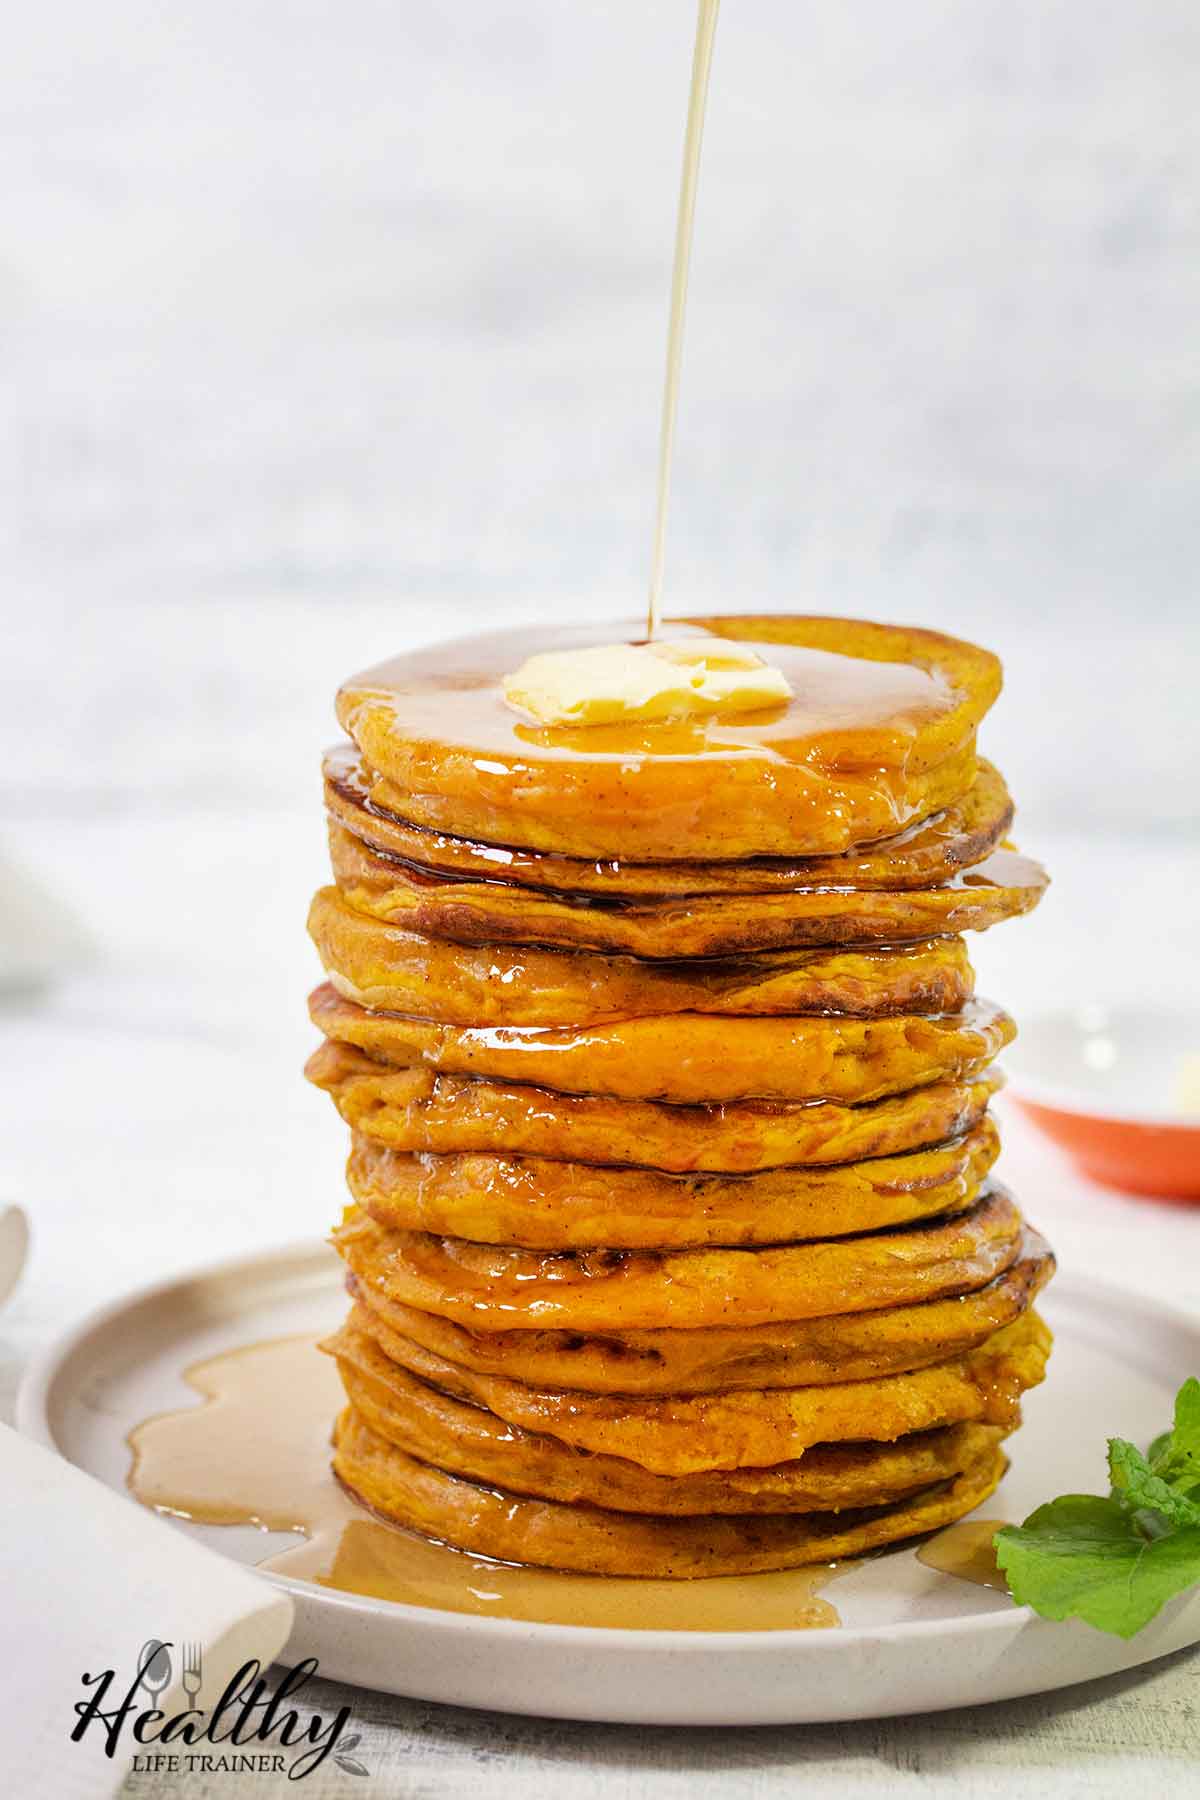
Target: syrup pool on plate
{"type": "Point", "coordinates": [255, 1451]}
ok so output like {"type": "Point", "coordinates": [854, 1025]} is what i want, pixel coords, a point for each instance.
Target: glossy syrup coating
{"type": "Point", "coordinates": [467, 1440]}
{"type": "Point", "coordinates": [499, 1287]}
{"type": "Point", "coordinates": [690, 1058]}
{"type": "Point", "coordinates": [673, 1434]}
{"type": "Point", "coordinates": [711, 1359]}
{"type": "Point", "coordinates": [422, 1109]}
{"type": "Point", "coordinates": [384, 966]}
{"type": "Point", "coordinates": [1004, 886]}
{"type": "Point", "coordinates": [541, 1204]}
{"type": "Point", "coordinates": [879, 733]}
{"type": "Point", "coordinates": [593, 1540]}
{"type": "Point", "coordinates": [922, 855]}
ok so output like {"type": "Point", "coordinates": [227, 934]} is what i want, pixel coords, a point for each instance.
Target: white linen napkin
{"type": "Point", "coordinates": [88, 1578]}
{"type": "Point", "coordinates": [14, 1247]}
{"type": "Point", "coordinates": [41, 936]}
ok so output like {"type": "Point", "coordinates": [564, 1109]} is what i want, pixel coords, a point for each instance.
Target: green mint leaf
{"type": "Point", "coordinates": [1160, 1448]}
{"type": "Point", "coordinates": [1136, 1486]}
{"type": "Point", "coordinates": [1187, 1416]}
{"type": "Point", "coordinates": [1083, 1557]}
{"type": "Point", "coordinates": [1176, 1454]}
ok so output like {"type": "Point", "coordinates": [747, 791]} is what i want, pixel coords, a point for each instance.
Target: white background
{"type": "Point", "coordinates": [326, 325]}
{"type": "Point", "coordinates": [327, 328]}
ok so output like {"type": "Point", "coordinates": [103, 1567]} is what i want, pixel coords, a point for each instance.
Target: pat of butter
{"type": "Point", "coordinates": [627, 682]}
{"type": "Point", "coordinates": [1185, 1096]}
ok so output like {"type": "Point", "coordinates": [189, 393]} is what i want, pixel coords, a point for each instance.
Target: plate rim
{"type": "Point", "coordinates": [1075, 1102]}
{"type": "Point", "coordinates": [33, 1420]}
{"type": "Point", "coordinates": [1065, 1102]}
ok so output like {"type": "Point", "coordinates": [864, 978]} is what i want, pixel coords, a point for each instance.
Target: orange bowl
{"type": "Point", "coordinates": [1101, 1082]}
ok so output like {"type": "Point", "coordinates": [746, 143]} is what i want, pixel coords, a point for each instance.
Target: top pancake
{"type": "Point", "coordinates": [878, 735]}
{"type": "Point", "coordinates": [932, 851]}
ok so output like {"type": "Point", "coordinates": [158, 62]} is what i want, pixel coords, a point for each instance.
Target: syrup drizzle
{"type": "Point", "coordinates": [706, 27]}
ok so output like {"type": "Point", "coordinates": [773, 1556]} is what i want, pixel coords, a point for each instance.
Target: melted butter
{"type": "Point", "coordinates": [256, 1452]}
{"type": "Point", "coordinates": [966, 1550]}
{"type": "Point", "coordinates": [614, 683]}
{"type": "Point", "coordinates": [845, 711]}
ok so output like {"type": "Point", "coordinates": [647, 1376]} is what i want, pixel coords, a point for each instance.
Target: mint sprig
{"type": "Point", "coordinates": [1115, 1560]}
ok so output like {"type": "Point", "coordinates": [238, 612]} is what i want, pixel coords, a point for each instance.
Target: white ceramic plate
{"type": "Point", "coordinates": [911, 1640]}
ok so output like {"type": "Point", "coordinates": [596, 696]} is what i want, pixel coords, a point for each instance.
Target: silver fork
{"type": "Point", "coordinates": [192, 1671]}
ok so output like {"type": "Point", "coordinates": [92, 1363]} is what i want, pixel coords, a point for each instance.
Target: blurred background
{"type": "Point", "coordinates": [330, 328]}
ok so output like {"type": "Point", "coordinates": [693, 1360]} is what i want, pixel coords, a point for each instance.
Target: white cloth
{"type": "Point", "coordinates": [14, 1247]}
{"type": "Point", "coordinates": [42, 938]}
{"type": "Point", "coordinates": [88, 1578]}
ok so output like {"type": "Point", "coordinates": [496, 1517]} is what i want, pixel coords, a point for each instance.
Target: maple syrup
{"type": "Point", "coordinates": [966, 1550]}
{"type": "Point", "coordinates": [256, 1452]}
{"type": "Point", "coordinates": [706, 26]}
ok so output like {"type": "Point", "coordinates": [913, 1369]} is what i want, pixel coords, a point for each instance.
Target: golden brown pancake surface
{"type": "Point", "coordinates": [499, 1288]}
{"type": "Point", "coordinates": [792, 1353]}
{"type": "Point", "coordinates": [545, 1205]}
{"type": "Point", "coordinates": [689, 1058]}
{"type": "Point", "coordinates": [924, 855]}
{"type": "Point", "coordinates": [467, 1440]}
{"type": "Point", "coordinates": [420, 1109]}
{"type": "Point", "coordinates": [490, 913]}
{"type": "Point", "coordinates": [678, 1434]}
{"type": "Point", "coordinates": [599, 1541]}
{"type": "Point", "coordinates": [879, 733]}
{"type": "Point", "coordinates": [386, 966]}
{"type": "Point", "coordinates": [1004, 886]}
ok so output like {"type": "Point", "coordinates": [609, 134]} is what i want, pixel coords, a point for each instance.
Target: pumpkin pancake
{"type": "Point", "coordinates": [678, 1434]}
{"type": "Point", "coordinates": [465, 1439]}
{"type": "Point", "coordinates": [599, 1541]}
{"type": "Point", "coordinates": [543, 1205]}
{"type": "Point", "coordinates": [496, 1288]}
{"type": "Point", "coordinates": [923, 855]}
{"type": "Point", "coordinates": [492, 912]}
{"type": "Point", "coordinates": [689, 1058]}
{"type": "Point", "coordinates": [879, 733]}
{"type": "Point", "coordinates": [420, 1109]}
{"type": "Point", "coordinates": [385, 966]}
{"type": "Point", "coordinates": [791, 1353]}
{"type": "Point", "coordinates": [804, 821]}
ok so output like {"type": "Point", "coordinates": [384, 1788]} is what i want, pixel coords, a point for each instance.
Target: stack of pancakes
{"type": "Point", "coordinates": [674, 1247]}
